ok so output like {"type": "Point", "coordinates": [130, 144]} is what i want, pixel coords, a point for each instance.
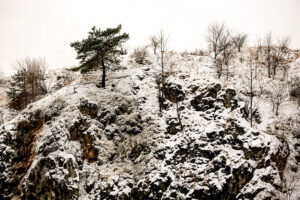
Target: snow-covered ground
{"type": "Point", "coordinates": [113, 143]}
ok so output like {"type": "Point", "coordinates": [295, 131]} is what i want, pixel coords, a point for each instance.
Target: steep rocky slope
{"type": "Point", "coordinates": [84, 142]}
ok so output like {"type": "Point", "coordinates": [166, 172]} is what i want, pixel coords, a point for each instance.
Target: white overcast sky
{"type": "Point", "coordinates": [45, 28]}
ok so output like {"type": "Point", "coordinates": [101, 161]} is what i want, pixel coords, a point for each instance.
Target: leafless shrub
{"type": "Point", "coordinates": [198, 52]}
{"type": "Point", "coordinates": [3, 81]}
{"type": "Point", "coordinates": [295, 88]}
{"type": "Point", "coordinates": [154, 43]}
{"type": "Point", "coordinates": [277, 94]}
{"type": "Point", "coordinates": [64, 79]}
{"type": "Point", "coordinates": [289, 187]}
{"type": "Point", "coordinates": [141, 55]}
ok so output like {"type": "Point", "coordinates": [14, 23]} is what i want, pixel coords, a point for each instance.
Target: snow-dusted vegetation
{"type": "Point", "coordinates": [84, 142]}
{"type": "Point", "coordinates": [149, 122]}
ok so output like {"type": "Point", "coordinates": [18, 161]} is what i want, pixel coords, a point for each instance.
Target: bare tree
{"type": "Point", "coordinates": [158, 82]}
{"type": "Point", "coordinates": [154, 42]}
{"type": "Point", "coordinates": [278, 56]}
{"type": "Point", "coordinates": [277, 94]}
{"type": "Point", "coordinates": [163, 49]}
{"type": "Point", "coordinates": [258, 53]}
{"type": "Point", "coordinates": [251, 89]}
{"type": "Point", "coordinates": [259, 45]}
{"type": "Point", "coordinates": [35, 69]}
{"type": "Point", "coordinates": [213, 37]}
{"type": "Point", "coordinates": [226, 46]}
{"type": "Point", "coordinates": [268, 43]}
{"type": "Point", "coordinates": [239, 40]}
{"type": "Point", "coordinates": [163, 59]}
{"type": "Point", "coordinates": [140, 55]}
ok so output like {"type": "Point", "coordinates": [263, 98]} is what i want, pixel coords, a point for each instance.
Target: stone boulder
{"type": "Point", "coordinates": [173, 92]}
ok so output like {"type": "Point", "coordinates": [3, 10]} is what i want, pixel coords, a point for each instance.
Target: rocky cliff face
{"type": "Point", "coordinates": [112, 143]}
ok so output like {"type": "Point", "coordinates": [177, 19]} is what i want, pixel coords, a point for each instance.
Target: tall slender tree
{"type": "Point", "coordinates": [214, 34]}
{"type": "Point", "coordinates": [268, 43]}
{"type": "Point", "coordinates": [102, 48]}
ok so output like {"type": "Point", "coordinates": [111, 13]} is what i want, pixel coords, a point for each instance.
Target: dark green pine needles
{"type": "Point", "coordinates": [102, 48]}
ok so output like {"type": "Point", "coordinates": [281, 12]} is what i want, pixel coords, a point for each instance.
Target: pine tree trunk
{"type": "Point", "coordinates": [103, 73]}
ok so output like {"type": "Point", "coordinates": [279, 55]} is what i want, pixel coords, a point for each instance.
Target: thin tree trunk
{"type": "Point", "coordinates": [251, 95]}
{"type": "Point", "coordinates": [274, 71]}
{"type": "Point", "coordinates": [269, 70]}
{"type": "Point", "coordinates": [227, 72]}
{"type": "Point", "coordinates": [277, 108]}
{"type": "Point", "coordinates": [178, 116]}
{"type": "Point", "coordinates": [103, 73]}
{"type": "Point", "coordinates": [162, 66]}
{"type": "Point", "coordinates": [159, 98]}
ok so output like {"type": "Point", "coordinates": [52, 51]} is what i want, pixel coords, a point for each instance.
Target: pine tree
{"type": "Point", "coordinates": [28, 84]}
{"type": "Point", "coordinates": [17, 90]}
{"type": "Point", "coordinates": [102, 48]}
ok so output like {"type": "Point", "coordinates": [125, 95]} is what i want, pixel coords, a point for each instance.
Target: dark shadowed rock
{"type": "Point", "coordinates": [173, 92]}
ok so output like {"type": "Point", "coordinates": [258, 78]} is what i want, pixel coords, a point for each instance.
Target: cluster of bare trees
{"type": "Point", "coordinates": [28, 83]}
{"type": "Point", "coordinates": [239, 40]}
{"type": "Point", "coordinates": [255, 86]}
{"type": "Point", "coordinates": [223, 44]}
{"type": "Point", "coordinates": [273, 54]}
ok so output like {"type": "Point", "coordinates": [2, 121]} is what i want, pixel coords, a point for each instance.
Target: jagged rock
{"type": "Point", "coordinates": [173, 92]}
{"type": "Point", "coordinates": [211, 96]}
{"type": "Point", "coordinates": [240, 177]}
{"type": "Point", "coordinates": [136, 151]}
{"type": "Point", "coordinates": [206, 99]}
{"type": "Point", "coordinates": [280, 157]}
{"type": "Point", "coordinates": [89, 151]}
{"type": "Point", "coordinates": [87, 108]}
{"type": "Point", "coordinates": [42, 184]}
{"type": "Point", "coordinates": [229, 101]}
{"type": "Point", "coordinates": [105, 144]}
{"type": "Point", "coordinates": [54, 110]}
{"type": "Point", "coordinates": [173, 126]}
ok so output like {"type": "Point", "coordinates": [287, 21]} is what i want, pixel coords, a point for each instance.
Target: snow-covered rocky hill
{"type": "Point", "coordinates": [85, 142]}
